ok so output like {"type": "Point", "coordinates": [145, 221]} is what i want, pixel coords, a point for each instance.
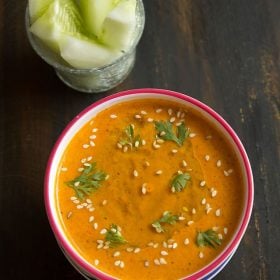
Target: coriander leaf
{"type": "Point", "coordinates": [208, 238]}
{"type": "Point", "coordinates": [88, 181]}
{"type": "Point", "coordinates": [183, 133]}
{"type": "Point", "coordinates": [166, 132]}
{"type": "Point", "coordinates": [179, 182]}
{"type": "Point", "coordinates": [166, 218]}
{"type": "Point", "coordinates": [130, 138]}
{"type": "Point", "coordinates": [114, 236]}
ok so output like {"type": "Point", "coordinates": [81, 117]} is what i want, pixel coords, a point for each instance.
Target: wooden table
{"type": "Point", "coordinates": [222, 52]}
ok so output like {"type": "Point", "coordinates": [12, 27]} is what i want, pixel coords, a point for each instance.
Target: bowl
{"type": "Point", "coordinates": [84, 267]}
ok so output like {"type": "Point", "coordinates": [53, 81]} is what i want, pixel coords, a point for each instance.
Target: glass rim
{"type": "Point", "coordinates": [139, 28]}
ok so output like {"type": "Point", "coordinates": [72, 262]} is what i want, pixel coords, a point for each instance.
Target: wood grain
{"type": "Point", "coordinates": [225, 53]}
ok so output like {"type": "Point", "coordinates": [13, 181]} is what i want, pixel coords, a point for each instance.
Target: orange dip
{"type": "Point", "coordinates": [138, 190]}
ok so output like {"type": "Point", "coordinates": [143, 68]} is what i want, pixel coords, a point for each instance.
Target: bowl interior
{"type": "Point", "coordinates": [92, 111]}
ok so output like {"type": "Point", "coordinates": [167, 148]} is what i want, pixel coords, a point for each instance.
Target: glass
{"type": "Point", "coordinates": [95, 79]}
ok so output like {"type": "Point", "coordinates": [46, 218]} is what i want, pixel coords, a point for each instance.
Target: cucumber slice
{"type": "Point", "coordinates": [94, 13]}
{"type": "Point", "coordinates": [61, 17]}
{"type": "Point", "coordinates": [119, 26]}
{"type": "Point", "coordinates": [37, 8]}
{"type": "Point", "coordinates": [84, 54]}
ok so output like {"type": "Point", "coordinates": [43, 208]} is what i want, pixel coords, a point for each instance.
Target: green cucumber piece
{"type": "Point", "coordinates": [94, 13]}
{"type": "Point", "coordinates": [62, 17]}
{"type": "Point", "coordinates": [119, 26]}
{"type": "Point", "coordinates": [37, 8]}
{"type": "Point", "coordinates": [85, 54]}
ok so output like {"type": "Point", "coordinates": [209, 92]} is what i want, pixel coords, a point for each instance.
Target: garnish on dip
{"type": "Point", "coordinates": [114, 236]}
{"type": "Point", "coordinates": [167, 218]}
{"type": "Point", "coordinates": [88, 181]}
{"type": "Point", "coordinates": [179, 182]}
{"type": "Point", "coordinates": [166, 132]}
{"type": "Point", "coordinates": [208, 238]}
{"type": "Point", "coordinates": [130, 139]}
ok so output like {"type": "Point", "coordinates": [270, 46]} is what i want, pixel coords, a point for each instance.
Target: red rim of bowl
{"type": "Point", "coordinates": [248, 206]}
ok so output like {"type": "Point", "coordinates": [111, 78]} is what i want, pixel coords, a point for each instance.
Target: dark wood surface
{"type": "Point", "coordinates": [222, 52]}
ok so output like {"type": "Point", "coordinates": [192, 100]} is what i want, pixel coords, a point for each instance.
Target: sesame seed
{"type": "Point", "coordinates": [214, 193]}
{"type": "Point", "coordinates": [156, 261]}
{"type": "Point", "coordinates": [84, 204]}
{"type": "Point", "coordinates": [92, 137]}
{"type": "Point", "coordinates": [151, 244]}
{"type": "Point", "coordinates": [178, 114]}
{"type": "Point", "coordinates": [96, 262]}
{"type": "Point", "coordinates": [80, 206]}
{"type": "Point", "coordinates": [164, 244]}
{"type": "Point", "coordinates": [143, 189]}
{"type": "Point", "coordinates": [64, 169]}
{"type": "Point", "coordinates": [174, 151]}
{"type": "Point", "coordinates": [226, 173]}
{"type": "Point", "coordinates": [107, 177]}
{"type": "Point", "coordinates": [174, 245]}
{"type": "Point", "coordinates": [207, 206]}
{"type": "Point", "coordinates": [193, 211]}
{"type": "Point", "coordinates": [155, 145]}
{"type": "Point", "coordinates": [158, 110]}
{"type": "Point", "coordinates": [162, 133]}
{"type": "Point", "coordinates": [99, 246]}
{"type": "Point", "coordinates": [230, 171]}
{"type": "Point", "coordinates": [201, 255]}
{"type": "Point", "coordinates": [218, 212]}
{"type": "Point", "coordinates": [181, 218]}
{"type": "Point", "coordinates": [137, 117]}
{"type": "Point", "coordinates": [95, 225]}
{"type": "Point", "coordinates": [81, 169]}
{"type": "Point", "coordinates": [125, 149]}
{"type": "Point", "coordinates": [143, 142]}
{"type": "Point", "coordinates": [69, 215]}
{"type": "Point", "coordinates": [183, 115]}
{"type": "Point", "coordinates": [203, 201]}
{"type": "Point", "coordinates": [87, 164]}
{"type": "Point", "coordinates": [104, 202]}
{"type": "Point", "coordinates": [160, 141]}
{"type": "Point", "coordinates": [156, 245]}
{"type": "Point", "coordinates": [117, 263]}
{"type": "Point", "coordinates": [146, 263]}
{"type": "Point", "coordinates": [89, 158]}
{"type": "Point", "coordinates": [186, 241]}
{"type": "Point", "coordinates": [219, 163]}
{"type": "Point", "coordinates": [137, 250]}
{"type": "Point", "coordinates": [170, 246]}
{"type": "Point", "coordinates": [202, 183]}
{"type": "Point", "coordinates": [170, 111]}
{"type": "Point", "coordinates": [129, 249]}
{"type": "Point", "coordinates": [170, 240]}
{"type": "Point", "coordinates": [192, 135]}
{"type": "Point", "coordinates": [94, 130]}
{"type": "Point", "coordinates": [147, 163]}
{"type": "Point", "coordinates": [114, 230]}
{"type": "Point", "coordinates": [122, 264]}
{"type": "Point", "coordinates": [159, 172]}
{"type": "Point", "coordinates": [173, 189]}
{"type": "Point", "coordinates": [164, 253]}
{"type": "Point", "coordinates": [184, 163]}
{"type": "Point", "coordinates": [178, 123]}
{"type": "Point", "coordinates": [220, 236]}
{"type": "Point", "coordinates": [92, 144]}
{"type": "Point", "coordinates": [208, 210]}
{"type": "Point", "coordinates": [119, 145]}
{"type": "Point", "coordinates": [116, 254]}
{"type": "Point", "coordinates": [106, 247]}
{"type": "Point", "coordinates": [113, 116]}
{"type": "Point", "coordinates": [180, 172]}
{"type": "Point", "coordinates": [73, 198]}
{"type": "Point", "coordinates": [103, 231]}
{"type": "Point", "coordinates": [207, 157]}
{"type": "Point", "coordinates": [91, 209]}
{"type": "Point", "coordinates": [99, 241]}
{"type": "Point", "coordinates": [85, 146]}
{"type": "Point", "coordinates": [91, 219]}
{"type": "Point", "coordinates": [162, 261]}
{"type": "Point", "coordinates": [225, 230]}
{"type": "Point", "coordinates": [135, 173]}
{"type": "Point", "coordinates": [189, 223]}
{"type": "Point", "coordinates": [137, 143]}
{"type": "Point", "coordinates": [143, 112]}
{"type": "Point", "coordinates": [172, 119]}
